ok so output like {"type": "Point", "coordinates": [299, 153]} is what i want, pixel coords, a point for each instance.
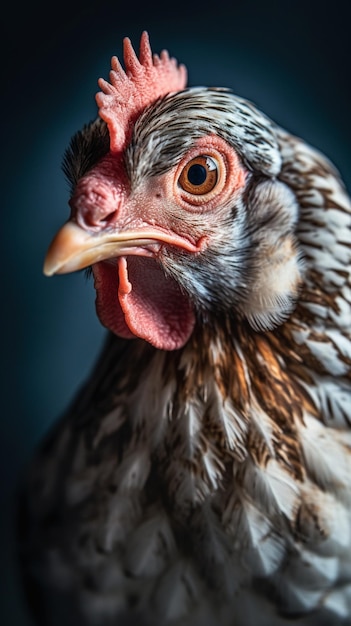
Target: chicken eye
{"type": "Point", "coordinates": [199, 176]}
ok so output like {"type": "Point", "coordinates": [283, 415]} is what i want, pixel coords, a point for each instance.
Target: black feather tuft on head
{"type": "Point", "coordinates": [86, 148]}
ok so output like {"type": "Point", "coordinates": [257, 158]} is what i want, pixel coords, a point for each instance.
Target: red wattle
{"type": "Point", "coordinates": [136, 299]}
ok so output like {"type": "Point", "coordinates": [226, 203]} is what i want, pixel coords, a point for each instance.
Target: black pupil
{"type": "Point", "coordinates": [197, 174]}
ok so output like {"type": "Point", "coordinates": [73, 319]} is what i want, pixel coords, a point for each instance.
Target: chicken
{"type": "Point", "coordinates": [202, 475]}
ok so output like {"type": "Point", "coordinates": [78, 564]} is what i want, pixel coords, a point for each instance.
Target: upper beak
{"type": "Point", "coordinates": [74, 248]}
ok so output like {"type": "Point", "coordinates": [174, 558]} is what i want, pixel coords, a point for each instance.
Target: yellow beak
{"type": "Point", "coordinates": [74, 249]}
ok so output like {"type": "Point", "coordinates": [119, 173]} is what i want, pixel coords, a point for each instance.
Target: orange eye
{"type": "Point", "coordinates": [199, 176]}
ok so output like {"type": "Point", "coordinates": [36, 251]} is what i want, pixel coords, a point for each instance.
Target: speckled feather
{"type": "Point", "coordinates": [211, 484]}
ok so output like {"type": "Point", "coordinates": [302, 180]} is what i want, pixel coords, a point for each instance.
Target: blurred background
{"type": "Point", "coordinates": [291, 58]}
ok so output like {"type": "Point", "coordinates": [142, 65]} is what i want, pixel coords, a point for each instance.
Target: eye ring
{"type": "Point", "coordinates": [200, 175]}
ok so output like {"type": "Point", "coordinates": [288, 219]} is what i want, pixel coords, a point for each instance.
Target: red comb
{"type": "Point", "coordinates": [129, 91]}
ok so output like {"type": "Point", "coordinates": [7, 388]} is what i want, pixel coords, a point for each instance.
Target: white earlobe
{"type": "Point", "coordinates": [278, 265]}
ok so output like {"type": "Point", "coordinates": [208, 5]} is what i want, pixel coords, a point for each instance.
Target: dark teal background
{"type": "Point", "coordinates": [291, 58]}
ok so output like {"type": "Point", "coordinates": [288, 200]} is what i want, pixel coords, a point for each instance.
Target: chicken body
{"type": "Point", "coordinates": [202, 476]}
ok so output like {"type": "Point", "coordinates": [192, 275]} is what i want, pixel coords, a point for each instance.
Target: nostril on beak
{"type": "Point", "coordinates": [95, 218]}
{"type": "Point", "coordinates": [108, 219]}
